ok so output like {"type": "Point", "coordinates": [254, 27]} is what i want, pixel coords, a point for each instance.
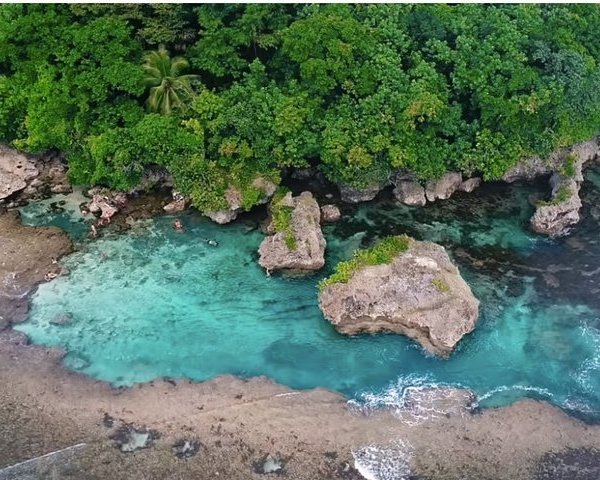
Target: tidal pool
{"type": "Point", "coordinates": [155, 302]}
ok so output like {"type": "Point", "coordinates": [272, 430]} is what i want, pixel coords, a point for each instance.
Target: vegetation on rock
{"type": "Point", "coordinates": [282, 218]}
{"type": "Point", "coordinates": [360, 90]}
{"type": "Point", "coordinates": [382, 253]}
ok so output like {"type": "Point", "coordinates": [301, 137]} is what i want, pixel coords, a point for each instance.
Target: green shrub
{"type": "Point", "coordinates": [562, 195]}
{"type": "Point", "coordinates": [382, 253]}
{"type": "Point", "coordinates": [568, 169]}
{"type": "Point", "coordinates": [282, 218]}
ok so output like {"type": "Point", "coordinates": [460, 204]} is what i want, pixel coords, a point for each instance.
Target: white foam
{"type": "Point", "coordinates": [395, 399]}
{"type": "Point", "coordinates": [391, 462]}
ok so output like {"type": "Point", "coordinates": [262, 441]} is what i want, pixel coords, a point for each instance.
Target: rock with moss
{"type": "Point", "coordinates": [297, 243]}
{"type": "Point", "coordinates": [237, 203]}
{"type": "Point", "coordinates": [556, 216]}
{"type": "Point", "coordinates": [401, 286]}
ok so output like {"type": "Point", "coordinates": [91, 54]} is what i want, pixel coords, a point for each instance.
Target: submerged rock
{"type": "Point", "coordinates": [234, 199]}
{"type": "Point", "coordinates": [420, 294]}
{"type": "Point", "coordinates": [444, 187]}
{"type": "Point", "coordinates": [301, 247]}
{"type": "Point", "coordinates": [330, 213]}
{"type": "Point", "coordinates": [410, 193]}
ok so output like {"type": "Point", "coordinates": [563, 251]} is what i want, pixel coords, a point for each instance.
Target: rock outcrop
{"type": "Point", "coordinates": [533, 167]}
{"type": "Point", "coordinates": [233, 197]}
{"type": "Point", "coordinates": [178, 204]}
{"type": "Point", "coordinates": [16, 171]}
{"type": "Point", "coordinates": [444, 187]}
{"type": "Point", "coordinates": [470, 184]}
{"type": "Point", "coordinates": [350, 194]}
{"type": "Point", "coordinates": [410, 193]}
{"type": "Point", "coordinates": [330, 213]}
{"type": "Point", "coordinates": [420, 294]}
{"type": "Point", "coordinates": [106, 204]}
{"type": "Point", "coordinates": [556, 216]}
{"type": "Point", "coordinates": [300, 247]}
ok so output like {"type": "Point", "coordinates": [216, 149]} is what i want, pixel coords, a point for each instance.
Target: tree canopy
{"type": "Point", "coordinates": [237, 91]}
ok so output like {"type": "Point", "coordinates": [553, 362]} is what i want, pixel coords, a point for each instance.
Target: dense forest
{"type": "Point", "coordinates": [219, 94]}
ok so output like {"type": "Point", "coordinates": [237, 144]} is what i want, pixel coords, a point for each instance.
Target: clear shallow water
{"type": "Point", "coordinates": [156, 302]}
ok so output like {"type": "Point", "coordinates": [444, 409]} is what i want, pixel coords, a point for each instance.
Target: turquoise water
{"type": "Point", "coordinates": [156, 302]}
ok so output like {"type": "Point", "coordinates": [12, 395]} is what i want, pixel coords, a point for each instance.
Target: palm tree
{"type": "Point", "coordinates": [168, 88]}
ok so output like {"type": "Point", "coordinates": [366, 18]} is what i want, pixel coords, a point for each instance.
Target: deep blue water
{"type": "Point", "coordinates": [155, 302]}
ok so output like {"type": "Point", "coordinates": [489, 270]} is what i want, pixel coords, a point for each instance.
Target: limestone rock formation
{"type": "Point", "coordinates": [470, 184]}
{"type": "Point", "coordinates": [410, 193]}
{"type": "Point", "coordinates": [301, 247]}
{"type": "Point", "coordinates": [330, 213]}
{"type": "Point", "coordinates": [444, 187]}
{"type": "Point", "coordinates": [16, 170]}
{"type": "Point", "coordinates": [234, 199]}
{"type": "Point", "coordinates": [106, 204]}
{"type": "Point", "coordinates": [355, 195]}
{"type": "Point", "coordinates": [556, 216]}
{"type": "Point", "coordinates": [420, 294]}
{"type": "Point", "coordinates": [178, 204]}
{"type": "Point", "coordinates": [533, 167]}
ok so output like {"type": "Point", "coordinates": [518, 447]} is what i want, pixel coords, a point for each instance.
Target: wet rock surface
{"type": "Point", "coordinates": [570, 464]}
{"type": "Point", "coordinates": [420, 294]}
{"type": "Point", "coordinates": [27, 255]}
{"type": "Point", "coordinates": [308, 250]}
{"type": "Point", "coordinates": [330, 213]}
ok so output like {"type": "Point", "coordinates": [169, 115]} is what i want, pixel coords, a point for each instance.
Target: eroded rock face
{"type": "Point", "coordinates": [179, 203]}
{"type": "Point", "coordinates": [410, 193]}
{"type": "Point", "coordinates": [420, 294]}
{"type": "Point", "coordinates": [106, 204]}
{"type": "Point", "coordinates": [557, 216]}
{"type": "Point", "coordinates": [16, 170]}
{"type": "Point", "coordinates": [444, 187]}
{"type": "Point", "coordinates": [234, 199]}
{"type": "Point", "coordinates": [330, 213]}
{"type": "Point", "coordinates": [470, 184]}
{"type": "Point", "coordinates": [309, 251]}
{"type": "Point", "coordinates": [534, 167]}
{"type": "Point", "coordinates": [354, 195]}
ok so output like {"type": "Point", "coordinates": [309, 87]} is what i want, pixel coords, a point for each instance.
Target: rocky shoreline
{"type": "Point", "coordinates": [238, 427]}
